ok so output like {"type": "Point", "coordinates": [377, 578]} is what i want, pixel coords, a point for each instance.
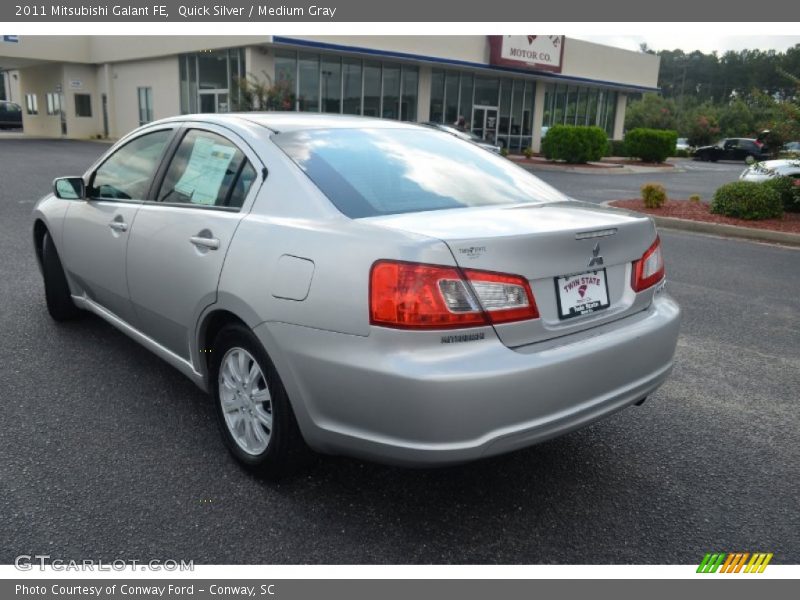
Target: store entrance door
{"type": "Point", "coordinates": [484, 122]}
{"type": "Point", "coordinates": [214, 101]}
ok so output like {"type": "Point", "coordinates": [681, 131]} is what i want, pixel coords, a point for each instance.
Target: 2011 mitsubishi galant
{"type": "Point", "coordinates": [361, 286]}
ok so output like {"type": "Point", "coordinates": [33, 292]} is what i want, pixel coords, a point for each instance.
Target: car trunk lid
{"type": "Point", "coordinates": [543, 243]}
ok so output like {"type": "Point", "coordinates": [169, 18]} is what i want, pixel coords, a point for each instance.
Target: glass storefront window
{"type": "Point", "coordinates": [331, 74]}
{"type": "Point", "coordinates": [611, 111]}
{"type": "Point", "coordinates": [591, 107]}
{"type": "Point", "coordinates": [559, 104]}
{"type": "Point", "coordinates": [572, 96]}
{"type": "Point", "coordinates": [505, 107]}
{"type": "Point", "coordinates": [547, 113]}
{"type": "Point", "coordinates": [527, 109]}
{"type": "Point", "coordinates": [437, 96]}
{"type": "Point", "coordinates": [212, 68]}
{"type": "Point", "coordinates": [580, 117]}
{"type": "Point", "coordinates": [451, 84]}
{"type": "Point", "coordinates": [410, 87]}
{"type": "Point", "coordinates": [465, 102]}
{"type": "Point", "coordinates": [286, 70]}
{"type": "Point", "coordinates": [391, 92]}
{"type": "Point", "coordinates": [351, 81]}
{"type": "Point", "coordinates": [308, 82]}
{"type": "Point", "coordinates": [516, 108]}
{"type": "Point", "coordinates": [487, 90]}
{"type": "Point", "coordinates": [372, 89]}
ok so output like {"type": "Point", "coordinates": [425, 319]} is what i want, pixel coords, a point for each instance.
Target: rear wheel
{"type": "Point", "coordinates": [253, 410]}
{"type": "Point", "coordinates": [56, 290]}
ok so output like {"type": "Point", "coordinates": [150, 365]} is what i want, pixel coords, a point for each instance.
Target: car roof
{"type": "Point", "coordinates": [279, 122]}
{"type": "Point", "coordinates": [781, 164]}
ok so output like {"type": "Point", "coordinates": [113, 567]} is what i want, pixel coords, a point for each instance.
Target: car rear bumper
{"type": "Point", "coordinates": [383, 398]}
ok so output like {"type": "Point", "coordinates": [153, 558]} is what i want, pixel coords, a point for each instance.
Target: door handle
{"type": "Point", "coordinates": [118, 225]}
{"type": "Point", "coordinates": [204, 242]}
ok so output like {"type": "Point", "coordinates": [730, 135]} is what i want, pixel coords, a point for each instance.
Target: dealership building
{"type": "Point", "coordinates": [506, 88]}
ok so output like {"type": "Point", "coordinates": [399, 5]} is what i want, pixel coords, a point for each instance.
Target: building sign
{"type": "Point", "coordinates": [534, 52]}
{"type": "Point", "coordinates": [75, 84]}
{"type": "Point", "coordinates": [11, 39]}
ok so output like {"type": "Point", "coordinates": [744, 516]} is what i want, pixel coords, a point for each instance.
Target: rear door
{"type": "Point", "coordinates": [178, 245]}
{"type": "Point", "coordinates": [96, 231]}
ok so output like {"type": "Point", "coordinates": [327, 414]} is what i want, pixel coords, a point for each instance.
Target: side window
{"type": "Point", "coordinates": [207, 170]}
{"type": "Point", "coordinates": [126, 174]}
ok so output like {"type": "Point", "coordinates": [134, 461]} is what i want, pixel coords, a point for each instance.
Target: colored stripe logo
{"type": "Point", "coordinates": [737, 562]}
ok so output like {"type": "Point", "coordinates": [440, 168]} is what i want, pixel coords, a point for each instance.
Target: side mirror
{"type": "Point", "coordinates": [69, 188]}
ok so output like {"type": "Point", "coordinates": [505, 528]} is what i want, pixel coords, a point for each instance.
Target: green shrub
{"type": "Point", "coordinates": [528, 152]}
{"type": "Point", "coordinates": [654, 195]}
{"type": "Point", "coordinates": [574, 144]}
{"type": "Point", "coordinates": [651, 145]}
{"type": "Point", "coordinates": [503, 151]}
{"type": "Point", "coordinates": [747, 200]}
{"type": "Point", "coordinates": [616, 148]}
{"type": "Point", "coordinates": [682, 153]}
{"type": "Point", "coordinates": [695, 198]}
{"type": "Point", "coordinates": [788, 190]}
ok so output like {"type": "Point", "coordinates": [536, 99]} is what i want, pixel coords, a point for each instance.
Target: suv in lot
{"type": "Point", "coordinates": [10, 115]}
{"type": "Point", "coordinates": [733, 149]}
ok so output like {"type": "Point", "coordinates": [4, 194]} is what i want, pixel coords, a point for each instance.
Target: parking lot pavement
{"type": "Point", "coordinates": [691, 177]}
{"type": "Point", "coordinates": [108, 453]}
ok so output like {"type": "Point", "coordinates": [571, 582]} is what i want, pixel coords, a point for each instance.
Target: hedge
{"type": "Point", "coordinates": [789, 191]}
{"type": "Point", "coordinates": [574, 143]}
{"type": "Point", "coordinates": [747, 200]}
{"type": "Point", "coordinates": [651, 145]}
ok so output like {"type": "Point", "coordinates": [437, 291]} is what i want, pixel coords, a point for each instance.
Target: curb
{"type": "Point", "coordinates": [720, 229]}
{"type": "Point", "coordinates": [605, 169]}
{"type": "Point", "coordinates": [724, 230]}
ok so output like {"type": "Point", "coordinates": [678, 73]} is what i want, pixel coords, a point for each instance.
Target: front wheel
{"type": "Point", "coordinates": [253, 410]}
{"type": "Point", "coordinates": [56, 289]}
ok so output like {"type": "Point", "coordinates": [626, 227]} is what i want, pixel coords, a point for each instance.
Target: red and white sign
{"type": "Point", "coordinates": [535, 52]}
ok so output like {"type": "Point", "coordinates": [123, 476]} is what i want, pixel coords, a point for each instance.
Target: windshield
{"type": "Point", "coordinates": [371, 172]}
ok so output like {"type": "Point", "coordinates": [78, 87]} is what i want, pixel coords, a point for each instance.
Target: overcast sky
{"type": "Point", "coordinates": [689, 43]}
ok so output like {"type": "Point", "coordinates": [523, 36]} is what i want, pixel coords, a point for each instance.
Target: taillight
{"type": "Point", "coordinates": [648, 270]}
{"type": "Point", "coordinates": [418, 296]}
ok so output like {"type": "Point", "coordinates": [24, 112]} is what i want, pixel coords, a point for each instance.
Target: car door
{"type": "Point", "coordinates": [177, 248]}
{"type": "Point", "coordinates": [729, 150]}
{"type": "Point", "coordinates": [96, 230]}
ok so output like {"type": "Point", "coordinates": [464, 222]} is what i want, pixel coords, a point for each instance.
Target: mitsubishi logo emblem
{"type": "Point", "coordinates": [596, 259]}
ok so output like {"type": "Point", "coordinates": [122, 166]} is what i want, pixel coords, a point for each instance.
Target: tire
{"type": "Point", "coordinates": [262, 435]}
{"type": "Point", "coordinates": [56, 290]}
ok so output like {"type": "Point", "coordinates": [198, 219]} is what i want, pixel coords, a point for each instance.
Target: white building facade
{"type": "Point", "coordinates": [505, 88]}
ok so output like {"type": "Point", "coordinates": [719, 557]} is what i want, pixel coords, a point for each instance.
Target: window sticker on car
{"type": "Point", "coordinates": [206, 169]}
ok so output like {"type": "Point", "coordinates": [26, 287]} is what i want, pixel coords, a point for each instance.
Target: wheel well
{"type": "Point", "coordinates": [212, 325]}
{"type": "Point", "coordinates": [39, 229]}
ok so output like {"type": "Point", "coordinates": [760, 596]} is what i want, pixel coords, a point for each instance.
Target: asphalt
{"type": "Point", "coordinates": [108, 453]}
{"type": "Point", "coordinates": [689, 177]}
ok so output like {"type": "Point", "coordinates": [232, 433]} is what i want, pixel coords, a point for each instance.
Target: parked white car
{"type": "Point", "coordinates": [761, 171]}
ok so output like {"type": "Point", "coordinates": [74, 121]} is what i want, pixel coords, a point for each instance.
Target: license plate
{"type": "Point", "coordinates": [581, 294]}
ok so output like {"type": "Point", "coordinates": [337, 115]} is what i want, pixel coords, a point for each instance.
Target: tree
{"type": "Point", "coordinates": [651, 112]}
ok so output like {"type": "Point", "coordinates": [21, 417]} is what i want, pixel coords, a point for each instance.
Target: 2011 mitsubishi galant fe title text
{"type": "Point", "coordinates": [361, 286]}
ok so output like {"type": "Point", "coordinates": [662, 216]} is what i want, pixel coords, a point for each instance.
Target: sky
{"type": "Point", "coordinates": [689, 43]}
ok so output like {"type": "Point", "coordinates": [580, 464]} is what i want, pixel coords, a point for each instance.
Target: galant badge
{"type": "Point", "coordinates": [596, 259]}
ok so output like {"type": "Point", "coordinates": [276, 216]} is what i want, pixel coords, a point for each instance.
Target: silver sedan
{"type": "Point", "coordinates": [360, 286]}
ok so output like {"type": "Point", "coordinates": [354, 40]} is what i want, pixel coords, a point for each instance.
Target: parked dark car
{"type": "Point", "coordinates": [733, 149]}
{"type": "Point", "coordinates": [10, 115]}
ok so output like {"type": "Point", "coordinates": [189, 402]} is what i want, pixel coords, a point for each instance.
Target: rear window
{"type": "Point", "coordinates": [371, 172]}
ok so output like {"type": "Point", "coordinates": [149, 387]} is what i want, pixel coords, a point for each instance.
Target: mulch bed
{"type": "Point", "coordinates": [604, 163]}
{"type": "Point", "coordinates": [536, 160]}
{"type": "Point", "coordinates": [699, 211]}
